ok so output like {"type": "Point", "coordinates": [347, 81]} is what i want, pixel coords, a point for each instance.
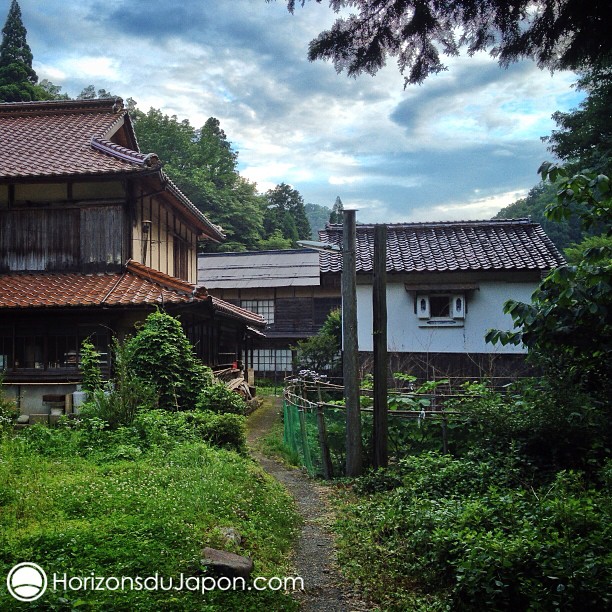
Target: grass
{"type": "Point", "coordinates": [270, 431]}
{"type": "Point", "coordinates": [272, 445]}
{"type": "Point", "coordinates": [73, 509]}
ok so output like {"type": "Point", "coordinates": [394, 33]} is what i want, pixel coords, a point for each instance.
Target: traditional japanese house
{"type": "Point", "coordinates": [94, 235]}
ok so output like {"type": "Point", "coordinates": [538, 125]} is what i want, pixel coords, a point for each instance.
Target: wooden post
{"type": "Point", "coordinates": [350, 361]}
{"type": "Point", "coordinates": [379, 332]}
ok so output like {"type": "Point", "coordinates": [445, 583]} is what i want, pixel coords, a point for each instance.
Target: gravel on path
{"type": "Point", "coordinates": [325, 589]}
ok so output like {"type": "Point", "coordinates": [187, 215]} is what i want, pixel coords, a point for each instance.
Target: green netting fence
{"type": "Point", "coordinates": [315, 427]}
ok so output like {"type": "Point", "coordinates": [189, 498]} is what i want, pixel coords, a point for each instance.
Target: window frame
{"type": "Point", "coordinates": [272, 357]}
{"type": "Point", "coordinates": [262, 306]}
{"type": "Point", "coordinates": [456, 308]}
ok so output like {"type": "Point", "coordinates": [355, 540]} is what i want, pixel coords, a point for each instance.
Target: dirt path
{"type": "Point", "coordinates": [325, 589]}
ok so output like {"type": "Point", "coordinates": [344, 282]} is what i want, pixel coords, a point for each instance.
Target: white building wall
{"type": "Point", "coordinates": [484, 310]}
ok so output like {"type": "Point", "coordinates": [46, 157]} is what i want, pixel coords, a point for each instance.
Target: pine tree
{"type": "Point", "coordinates": [14, 48]}
{"type": "Point", "coordinates": [17, 77]}
{"type": "Point", "coordinates": [337, 210]}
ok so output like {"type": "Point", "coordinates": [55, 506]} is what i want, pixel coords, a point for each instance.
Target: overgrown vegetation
{"type": "Point", "coordinates": [135, 488]}
{"type": "Point", "coordinates": [468, 534]}
{"type": "Point", "coordinates": [515, 517]}
{"type": "Point", "coordinates": [138, 501]}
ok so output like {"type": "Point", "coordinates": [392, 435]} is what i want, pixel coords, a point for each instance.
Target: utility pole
{"type": "Point", "coordinates": [354, 451]}
{"type": "Point", "coordinates": [379, 333]}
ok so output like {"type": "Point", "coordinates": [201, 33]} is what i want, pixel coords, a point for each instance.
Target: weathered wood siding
{"type": "Point", "coordinates": [293, 315]}
{"type": "Point", "coordinates": [62, 239]}
{"type": "Point", "coordinates": [101, 236]}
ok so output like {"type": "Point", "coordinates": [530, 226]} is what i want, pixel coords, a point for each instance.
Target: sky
{"type": "Point", "coordinates": [461, 146]}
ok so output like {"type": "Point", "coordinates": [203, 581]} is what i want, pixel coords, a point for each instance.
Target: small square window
{"type": "Point", "coordinates": [440, 309]}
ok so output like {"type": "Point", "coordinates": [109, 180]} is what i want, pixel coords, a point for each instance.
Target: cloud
{"type": "Point", "coordinates": [468, 137]}
{"type": "Point", "coordinates": [477, 208]}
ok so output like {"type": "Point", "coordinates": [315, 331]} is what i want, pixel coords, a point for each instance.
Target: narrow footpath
{"type": "Point", "coordinates": [325, 590]}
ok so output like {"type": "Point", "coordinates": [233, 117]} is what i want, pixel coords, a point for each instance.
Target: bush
{"type": "Point", "coordinates": [159, 428]}
{"type": "Point", "coordinates": [89, 366]}
{"type": "Point", "coordinates": [552, 427]}
{"type": "Point", "coordinates": [217, 397]}
{"type": "Point", "coordinates": [464, 535]}
{"type": "Point", "coordinates": [160, 355]}
{"type": "Point", "coordinates": [163, 429]}
{"type": "Point", "coordinates": [222, 430]}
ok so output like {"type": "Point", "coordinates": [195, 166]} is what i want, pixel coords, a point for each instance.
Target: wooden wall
{"type": "Point", "coordinates": [88, 238]}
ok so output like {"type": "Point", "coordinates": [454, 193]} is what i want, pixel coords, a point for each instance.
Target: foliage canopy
{"type": "Point", "coordinates": [205, 165]}
{"type": "Point", "coordinates": [584, 135]}
{"type": "Point", "coordinates": [568, 324]}
{"type": "Point", "coordinates": [556, 33]}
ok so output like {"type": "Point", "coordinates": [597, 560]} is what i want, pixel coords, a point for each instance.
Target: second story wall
{"type": "Point", "coordinates": [163, 240]}
{"type": "Point", "coordinates": [92, 227]}
{"type": "Point", "coordinates": [62, 227]}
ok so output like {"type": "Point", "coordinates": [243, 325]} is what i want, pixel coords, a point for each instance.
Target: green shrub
{"type": "Point", "coordinates": [217, 397]}
{"type": "Point", "coordinates": [163, 429]}
{"type": "Point", "coordinates": [89, 366]}
{"type": "Point", "coordinates": [222, 430]}
{"type": "Point", "coordinates": [553, 427]}
{"type": "Point", "coordinates": [465, 535]}
{"type": "Point", "coordinates": [117, 401]}
{"type": "Point", "coordinates": [160, 355]}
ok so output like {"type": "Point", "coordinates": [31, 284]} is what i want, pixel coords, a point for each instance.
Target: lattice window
{"type": "Point", "coordinates": [265, 308]}
{"type": "Point", "coordinates": [272, 360]}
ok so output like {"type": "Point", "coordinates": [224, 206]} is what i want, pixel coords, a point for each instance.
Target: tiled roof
{"type": "Point", "coordinates": [236, 312]}
{"type": "Point", "coordinates": [136, 285]}
{"type": "Point", "coordinates": [73, 137]}
{"type": "Point", "coordinates": [513, 244]}
{"type": "Point", "coordinates": [52, 139]}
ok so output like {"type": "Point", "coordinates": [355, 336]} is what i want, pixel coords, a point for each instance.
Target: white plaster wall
{"type": "Point", "coordinates": [484, 311]}
{"type": "Point", "coordinates": [28, 397]}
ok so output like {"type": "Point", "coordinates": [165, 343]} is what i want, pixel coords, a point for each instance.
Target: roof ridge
{"type": "Point", "coordinates": [109, 105]}
{"type": "Point", "coordinates": [475, 222]}
{"type": "Point", "coordinates": [123, 153]}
